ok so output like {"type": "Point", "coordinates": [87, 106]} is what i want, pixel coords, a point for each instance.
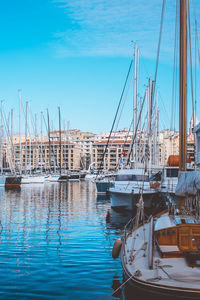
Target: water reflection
{"type": "Point", "coordinates": [56, 241]}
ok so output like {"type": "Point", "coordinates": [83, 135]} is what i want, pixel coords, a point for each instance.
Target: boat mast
{"type": "Point", "coordinates": [60, 137]}
{"type": "Point", "coordinates": [182, 85]}
{"type": "Point", "coordinates": [41, 141]}
{"type": "Point", "coordinates": [49, 141]}
{"type": "Point", "coordinates": [149, 123]}
{"type": "Point", "coordinates": [135, 100]}
{"type": "Point", "coordinates": [20, 144]}
{"type": "Point", "coordinates": [11, 139]}
{"type": "Point", "coordinates": [26, 138]}
{"type": "Point", "coordinates": [29, 126]}
{"type": "Point", "coordinates": [36, 142]}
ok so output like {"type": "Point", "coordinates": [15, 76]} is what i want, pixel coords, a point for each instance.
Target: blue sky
{"type": "Point", "coordinates": [75, 54]}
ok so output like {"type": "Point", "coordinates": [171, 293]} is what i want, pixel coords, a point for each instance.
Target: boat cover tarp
{"type": "Point", "coordinates": [188, 183]}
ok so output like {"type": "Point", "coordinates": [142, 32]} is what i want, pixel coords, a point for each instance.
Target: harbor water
{"type": "Point", "coordinates": [56, 243]}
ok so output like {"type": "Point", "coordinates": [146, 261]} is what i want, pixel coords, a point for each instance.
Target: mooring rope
{"type": "Point", "coordinates": [119, 287]}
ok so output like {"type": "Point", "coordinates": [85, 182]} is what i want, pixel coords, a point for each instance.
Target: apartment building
{"type": "Point", "coordinates": [80, 149]}
{"type": "Point", "coordinates": [46, 156]}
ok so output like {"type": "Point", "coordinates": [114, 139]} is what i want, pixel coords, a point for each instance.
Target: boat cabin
{"type": "Point", "coordinates": [131, 175]}
{"type": "Point", "coordinates": [179, 238]}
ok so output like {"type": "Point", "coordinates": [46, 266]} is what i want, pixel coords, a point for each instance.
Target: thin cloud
{"type": "Point", "coordinates": [106, 28]}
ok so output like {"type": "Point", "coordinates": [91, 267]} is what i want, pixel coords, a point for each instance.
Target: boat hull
{"type": "Point", "coordinates": [32, 179]}
{"type": "Point", "coordinates": [157, 291]}
{"type": "Point", "coordinates": [103, 187]}
{"type": "Point", "coordinates": [13, 182]}
{"type": "Point", "coordinates": [128, 201]}
{"type": "Point", "coordinates": [52, 178]}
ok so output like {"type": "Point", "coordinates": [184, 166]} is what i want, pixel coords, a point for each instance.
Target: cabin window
{"type": "Point", "coordinates": [132, 178]}
{"type": "Point", "coordinates": [172, 172]}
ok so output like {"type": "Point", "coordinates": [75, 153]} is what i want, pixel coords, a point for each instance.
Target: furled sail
{"type": "Point", "coordinates": [188, 184]}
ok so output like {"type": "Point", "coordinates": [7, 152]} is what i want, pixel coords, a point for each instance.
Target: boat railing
{"type": "Point", "coordinates": [129, 227]}
{"type": "Point", "coordinates": [133, 224]}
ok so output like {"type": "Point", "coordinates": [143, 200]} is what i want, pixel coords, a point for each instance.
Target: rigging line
{"type": "Point", "coordinates": [174, 66]}
{"type": "Point", "coordinates": [48, 133]}
{"type": "Point", "coordinates": [158, 50]}
{"type": "Point", "coordinates": [197, 36]}
{"type": "Point", "coordinates": [125, 98]}
{"type": "Point", "coordinates": [196, 52]}
{"type": "Point", "coordinates": [123, 149]}
{"type": "Point", "coordinates": [196, 45]}
{"type": "Point", "coordinates": [127, 76]}
{"type": "Point", "coordinates": [119, 287]}
{"type": "Point", "coordinates": [113, 137]}
{"type": "Point", "coordinates": [142, 63]}
{"type": "Point", "coordinates": [163, 105]}
{"type": "Point", "coordinates": [191, 75]}
{"type": "Point", "coordinates": [124, 101]}
{"type": "Point", "coordinates": [134, 137]}
{"type": "Point", "coordinates": [33, 121]}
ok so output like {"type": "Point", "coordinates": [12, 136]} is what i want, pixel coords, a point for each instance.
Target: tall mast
{"type": "Point", "coordinates": [26, 138]}
{"type": "Point", "coordinates": [182, 85]}
{"type": "Point", "coordinates": [135, 98]}
{"type": "Point", "coordinates": [49, 140]}
{"type": "Point", "coordinates": [149, 123]}
{"type": "Point", "coordinates": [29, 125]}
{"type": "Point", "coordinates": [68, 164]}
{"type": "Point", "coordinates": [60, 137]}
{"type": "Point", "coordinates": [20, 144]}
{"type": "Point", "coordinates": [36, 142]}
{"type": "Point", "coordinates": [11, 139]}
{"type": "Point", "coordinates": [54, 157]}
{"type": "Point", "coordinates": [41, 140]}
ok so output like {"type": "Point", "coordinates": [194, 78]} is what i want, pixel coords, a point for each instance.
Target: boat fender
{"type": "Point", "coordinates": [116, 248]}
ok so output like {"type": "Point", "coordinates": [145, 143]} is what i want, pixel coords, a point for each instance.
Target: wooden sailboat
{"type": "Point", "coordinates": [162, 256]}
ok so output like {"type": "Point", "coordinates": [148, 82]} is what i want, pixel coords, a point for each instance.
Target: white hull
{"type": "Point", "coordinates": [32, 179]}
{"type": "Point", "coordinates": [52, 178]}
{"type": "Point", "coordinates": [128, 201]}
{"type": "Point", "coordinates": [126, 195]}
{"type": "Point", "coordinates": [90, 177]}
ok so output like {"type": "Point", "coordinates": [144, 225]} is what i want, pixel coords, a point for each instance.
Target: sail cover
{"type": "Point", "coordinates": [188, 183]}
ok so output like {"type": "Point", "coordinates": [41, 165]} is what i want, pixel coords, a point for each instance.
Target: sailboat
{"type": "Point", "coordinates": [162, 255]}
{"type": "Point", "coordinates": [129, 182]}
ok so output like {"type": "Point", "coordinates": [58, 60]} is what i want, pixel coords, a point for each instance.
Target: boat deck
{"type": "Point", "coordinates": [168, 273]}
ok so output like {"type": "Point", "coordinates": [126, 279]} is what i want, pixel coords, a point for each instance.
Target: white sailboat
{"type": "Point", "coordinates": [129, 183]}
